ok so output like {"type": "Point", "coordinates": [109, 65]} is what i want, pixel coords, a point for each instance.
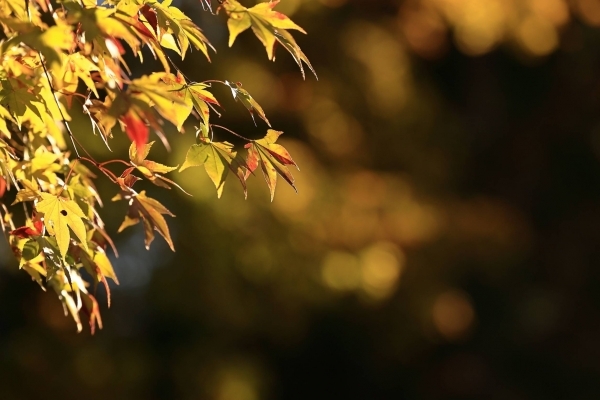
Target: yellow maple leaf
{"type": "Point", "coordinates": [60, 214]}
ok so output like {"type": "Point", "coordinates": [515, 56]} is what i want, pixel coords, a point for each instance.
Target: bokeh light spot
{"type": "Point", "coordinates": [453, 314]}
{"type": "Point", "coordinates": [538, 36]}
{"type": "Point", "coordinates": [381, 267]}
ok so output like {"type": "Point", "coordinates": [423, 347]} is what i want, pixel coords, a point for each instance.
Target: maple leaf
{"type": "Point", "coordinates": [272, 158]}
{"type": "Point", "coordinates": [150, 212]}
{"type": "Point", "coordinates": [200, 99]}
{"type": "Point", "coordinates": [217, 158]}
{"type": "Point", "coordinates": [169, 21]}
{"type": "Point", "coordinates": [151, 169]}
{"type": "Point", "coordinates": [288, 41]}
{"type": "Point", "coordinates": [60, 214]}
{"type": "Point", "coordinates": [194, 96]}
{"type": "Point", "coordinates": [34, 227]}
{"type": "Point", "coordinates": [29, 192]}
{"type": "Point", "coordinates": [152, 91]}
{"type": "Point", "coordinates": [268, 25]}
{"type": "Point", "coordinates": [79, 66]}
{"type": "Point", "coordinates": [22, 102]}
{"type": "Point", "coordinates": [99, 267]}
{"type": "Point", "coordinates": [48, 42]}
{"type": "Point", "coordinates": [247, 101]}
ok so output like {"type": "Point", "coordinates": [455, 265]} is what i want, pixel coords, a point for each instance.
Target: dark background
{"type": "Point", "coordinates": [443, 244]}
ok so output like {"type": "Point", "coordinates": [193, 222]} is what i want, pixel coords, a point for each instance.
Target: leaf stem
{"type": "Point", "coordinates": [105, 171]}
{"type": "Point", "coordinates": [114, 161]}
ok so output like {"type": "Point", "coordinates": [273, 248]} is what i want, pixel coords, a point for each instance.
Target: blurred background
{"type": "Point", "coordinates": [443, 243]}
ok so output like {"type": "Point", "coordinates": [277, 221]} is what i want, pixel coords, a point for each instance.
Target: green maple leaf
{"type": "Point", "coordinates": [60, 214]}
{"type": "Point", "coordinates": [216, 157]}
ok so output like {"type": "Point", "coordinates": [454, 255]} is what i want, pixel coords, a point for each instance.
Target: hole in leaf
{"type": "Point", "coordinates": [63, 212]}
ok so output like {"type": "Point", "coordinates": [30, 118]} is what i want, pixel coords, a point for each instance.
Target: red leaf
{"type": "Point", "coordinates": [2, 186]}
{"type": "Point", "coordinates": [25, 232]}
{"type": "Point", "coordinates": [150, 16]}
{"type": "Point", "coordinates": [136, 129]}
{"type": "Point", "coordinates": [38, 225]}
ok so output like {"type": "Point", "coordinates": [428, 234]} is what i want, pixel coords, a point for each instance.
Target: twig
{"type": "Point", "coordinates": [232, 132]}
{"type": "Point", "coordinates": [58, 105]}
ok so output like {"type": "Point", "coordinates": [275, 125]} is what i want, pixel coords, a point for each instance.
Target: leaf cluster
{"type": "Point", "coordinates": [52, 71]}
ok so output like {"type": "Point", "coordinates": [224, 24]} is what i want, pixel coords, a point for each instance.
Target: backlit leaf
{"type": "Point", "coordinates": [135, 128]}
{"type": "Point", "coordinates": [268, 25]}
{"type": "Point", "coordinates": [60, 214]}
{"type": "Point", "coordinates": [216, 158]}
{"type": "Point", "coordinates": [272, 158]}
{"type": "Point", "coordinates": [150, 212]}
{"type": "Point", "coordinates": [247, 101]}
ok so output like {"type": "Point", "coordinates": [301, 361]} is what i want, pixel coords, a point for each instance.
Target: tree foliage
{"type": "Point", "coordinates": [59, 58]}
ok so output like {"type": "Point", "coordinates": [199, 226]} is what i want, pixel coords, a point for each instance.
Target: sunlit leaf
{"type": "Point", "coordinates": [216, 158]}
{"type": "Point", "coordinates": [272, 158]}
{"type": "Point", "coordinates": [268, 25]}
{"type": "Point", "coordinates": [60, 214]}
{"type": "Point", "coordinates": [150, 212]}
{"type": "Point", "coordinates": [247, 101]}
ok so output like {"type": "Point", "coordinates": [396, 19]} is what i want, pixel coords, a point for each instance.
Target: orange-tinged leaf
{"type": "Point", "coordinates": [25, 232]}
{"type": "Point", "coordinates": [272, 159]}
{"type": "Point", "coordinates": [265, 22]}
{"type": "Point", "coordinates": [194, 96]}
{"type": "Point", "coordinates": [168, 20]}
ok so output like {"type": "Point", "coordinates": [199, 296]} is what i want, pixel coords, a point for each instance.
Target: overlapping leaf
{"type": "Point", "coordinates": [173, 28]}
{"type": "Point", "coordinates": [148, 211]}
{"type": "Point", "coordinates": [268, 25]}
{"type": "Point", "coordinates": [216, 157]}
{"type": "Point", "coordinates": [195, 96]}
{"type": "Point", "coordinates": [150, 169]}
{"type": "Point", "coordinates": [272, 158]}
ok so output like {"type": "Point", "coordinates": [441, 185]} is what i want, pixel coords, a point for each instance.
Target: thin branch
{"type": "Point", "coordinates": [58, 105]}
{"type": "Point", "coordinates": [71, 168]}
{"type": "Point", "coordinates": [102, 164]}
{"type": "Point", "coordinates": [105, 171]}
{"type": "Point", "coordinates": [232, 132]}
